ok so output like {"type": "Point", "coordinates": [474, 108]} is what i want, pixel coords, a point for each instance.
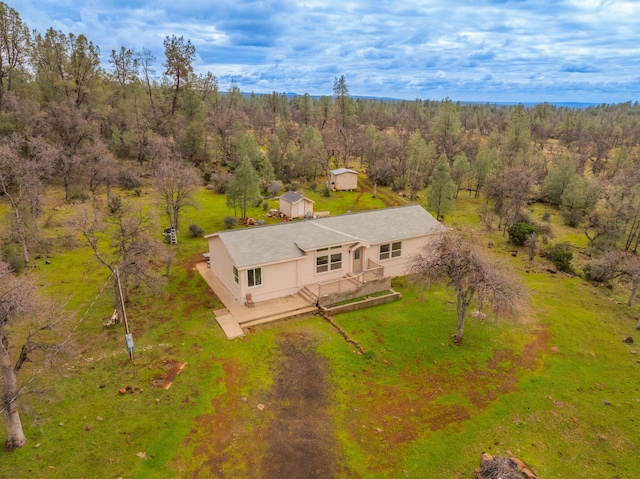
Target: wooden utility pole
{"type": "Point", "coordinates": [128, 337]}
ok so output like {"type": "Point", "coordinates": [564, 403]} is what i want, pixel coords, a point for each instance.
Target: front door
{"type": "Point", "coordinates": [301, 209]}
{"type": "Point", "coordinates": [357, 259]}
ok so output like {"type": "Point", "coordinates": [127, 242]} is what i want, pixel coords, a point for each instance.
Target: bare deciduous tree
{"type": "Point", "coordinates": [19, 303]}
{"type": "Point", "coordinates": [123, 240]}
{"type": "Point", "coordinates": [617, 264]}
{"type": "Point", "coordinates": [176, 184]}
{"type": "Point", "coordinates": [23, 165]}
{"type": "Point", "coordinates": [453, 259]}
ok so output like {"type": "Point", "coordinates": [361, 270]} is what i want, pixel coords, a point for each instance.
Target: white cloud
{"type": "Point", "coordinates": [507, 51]}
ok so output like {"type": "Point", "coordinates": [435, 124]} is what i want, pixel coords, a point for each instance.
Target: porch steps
{"type": "Point", "coordinates": [309, 295]}
{"type": "Point", "coordinates": [276, 317]}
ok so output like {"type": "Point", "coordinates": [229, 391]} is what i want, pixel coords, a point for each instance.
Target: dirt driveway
{"type": "Point", "coordinates": [285, 432]}
{"type": "Point", "coordinates": [300, 434]}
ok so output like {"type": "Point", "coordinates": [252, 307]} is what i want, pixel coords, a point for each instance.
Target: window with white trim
{"type": "Point", "coordinates": [390, 250]}
{"type": "Point", "coordinates": [328, 262]}
{"type": "Point", "coordinates": [254, 277]}
{"type": "Point", "coordinates": [235, 275]}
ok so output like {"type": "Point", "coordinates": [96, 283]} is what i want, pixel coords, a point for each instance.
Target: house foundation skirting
{"type": "Point", "coordinates": [365, 303]}
{"type": "Point", "coordinates": [363, 289]}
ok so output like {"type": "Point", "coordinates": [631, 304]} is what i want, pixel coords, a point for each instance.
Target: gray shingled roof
{"type": "Point", "coordinates": [288, 241]}
{"type": "Point", "coordinates": [293, 197]}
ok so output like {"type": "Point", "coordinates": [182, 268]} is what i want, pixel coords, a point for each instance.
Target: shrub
{"type": "Point", "coordinates": [326, 192]}
{"type": "Point", "coordinates": [114, 202]}
{"type": "Point", "coordinates": [13, 259]}
{"type": "Point", "coordinates": [220, 182]}
{"type": "Point", "coordinates": [274, 188]}
{"type": "Point", "coordinates": [78, 193]}
{"type": "Point", "coordinates": [128, 180]}
{"type": "Point", "coordinates": [196, 231]}
{"type": "Point", "coordinates": [561, 256]}
{"type": "Point", "coordinates": [265, 205]}
{"type": "Point", "coordinates": [230, 221]}
{"type": "Point", "coordinates": [519, 232]}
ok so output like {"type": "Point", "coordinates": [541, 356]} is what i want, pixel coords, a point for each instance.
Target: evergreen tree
{"type": "Point", "coordinates": [243, 189]}
{"type": "Point", "coordinates": [575, 200]}
{"type": "Point", "coordinates": [440, 196]}
{"type": "Point", "coordinates": [563, 170]}
{"type": "Point", "coordinates": [460, 170]}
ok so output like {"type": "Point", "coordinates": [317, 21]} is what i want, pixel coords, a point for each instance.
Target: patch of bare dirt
{"type": "Point", "coordinates": [214, 435]}
{"type": "Point", "coordinates": [285, 432]}
{"type": "Point", "coordinates": [393, 416]}
{"type": "Point", "coordinates": [300, 440]}
{"type": "Point", "coordinates": [172, 368]}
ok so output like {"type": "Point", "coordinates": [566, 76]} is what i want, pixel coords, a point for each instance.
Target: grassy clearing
{"type": "Point", "coordinates": [535, 385]}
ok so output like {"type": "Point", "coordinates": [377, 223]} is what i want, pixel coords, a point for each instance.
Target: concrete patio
{"type": "Point", "coordinates": [237, 316]}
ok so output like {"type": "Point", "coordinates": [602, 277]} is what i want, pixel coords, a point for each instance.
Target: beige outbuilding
{"type": "Point", "coordinates": [343, 179]}
{"type": "Point", "coordinates": [295, 205]}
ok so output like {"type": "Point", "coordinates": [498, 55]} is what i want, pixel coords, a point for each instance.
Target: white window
{"type": "Point", "coordinates": [356, 254]}
{"type": "Point", "coordinates": [390, 250]}
{"type": "Point", "coordinates": [322, 263]}
{"type": "Point", "coordinates": [235, 275]}
{"type": "Point", "coordinates": [254, 277]}
{"type": "Point", "coordinates": [336, 261]}
{"type": "Point", "coordinates": [328, 262]}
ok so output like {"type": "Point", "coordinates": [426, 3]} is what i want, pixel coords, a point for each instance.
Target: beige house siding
{"type": "Point", "coordinates": [277, 280]}
{"type": "Point", "coordinates": [308, 273]}
{"type": "Point", "coordinates": [397, 266]}
{"type": "Point", "coordinates": [222, 266]}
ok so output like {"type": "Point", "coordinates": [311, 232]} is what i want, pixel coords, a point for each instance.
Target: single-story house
{"type": "Point", "coordinates": [273, 261]}
{"type": "Point", "coordinates": [343, 179]}
{"type": "Point", "coordinates": [295, 205]}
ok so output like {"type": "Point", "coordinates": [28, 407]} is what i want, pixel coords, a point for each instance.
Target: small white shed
{"type": "Point", "coordinates": [343, 179]}
{"type": "Point", "coordinates": [295, 205]}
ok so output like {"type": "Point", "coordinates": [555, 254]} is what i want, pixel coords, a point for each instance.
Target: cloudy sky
{"type": "Point", "coordinates": [474, 50]}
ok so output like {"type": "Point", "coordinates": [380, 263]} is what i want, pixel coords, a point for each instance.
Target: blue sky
{"type": "Point", "coordinates": [475, 50]}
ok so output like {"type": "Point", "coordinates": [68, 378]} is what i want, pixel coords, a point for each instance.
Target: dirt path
{"type": "Point", "coordinates": [285, 432]}
{"type": "Point", "coordinates": [389, 199]}
{"type": "Point", "coordinates": [300, 436]}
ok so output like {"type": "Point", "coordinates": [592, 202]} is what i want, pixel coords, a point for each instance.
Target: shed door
{"type": "Point", "coordinates": [301, 208]}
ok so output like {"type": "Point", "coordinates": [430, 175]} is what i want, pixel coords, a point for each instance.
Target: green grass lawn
{"type": "Point", "coordinates": [555, 385]}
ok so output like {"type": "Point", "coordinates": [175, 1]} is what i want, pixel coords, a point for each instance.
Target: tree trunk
{"type": "Point", "coordinates": [634, 288]}
{"type": "Point", "coordinates": [15, 434]}
{"type": "Point", "coordinates": [461, 308]}
{"type": "Point", "coordinates": [22, 238]}
{"type": "Point", "coordinates": [375, 189]}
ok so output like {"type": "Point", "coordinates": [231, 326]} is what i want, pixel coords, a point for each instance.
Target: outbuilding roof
{"type": "Point", "coordinates": [339, 171]}
{"type": "Point", "coordinates": [293, 197]}
{"type": "Point", "coordinates": [256, 246]}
